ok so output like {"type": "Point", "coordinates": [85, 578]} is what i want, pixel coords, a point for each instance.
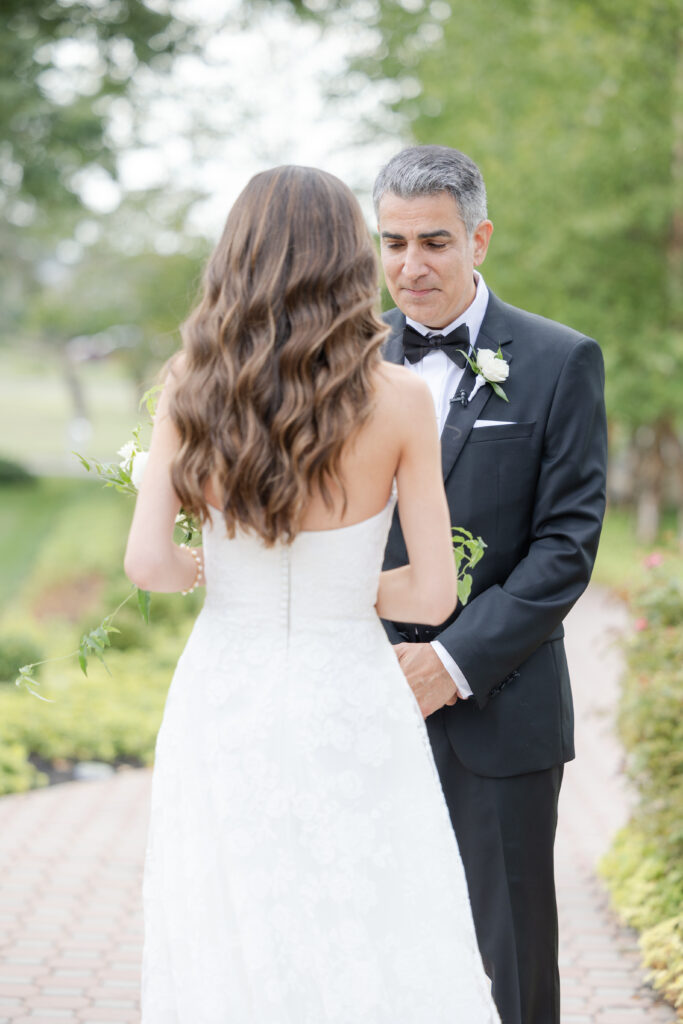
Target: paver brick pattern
{"type": "Point", "coordinates": [71, 872]}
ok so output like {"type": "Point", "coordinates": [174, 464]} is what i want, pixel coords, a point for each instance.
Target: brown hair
{"type": "Point", "coordinates": [279, 353]}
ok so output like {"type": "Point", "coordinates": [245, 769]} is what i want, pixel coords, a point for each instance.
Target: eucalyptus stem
{"type": "Point", "coordinates": [92, 643]}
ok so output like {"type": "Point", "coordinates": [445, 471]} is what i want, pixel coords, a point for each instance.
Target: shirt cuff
{"type": "Point", "coordinates": [462, 686]}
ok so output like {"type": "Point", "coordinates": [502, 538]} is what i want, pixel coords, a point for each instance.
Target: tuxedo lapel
{"type": "Point", "coordinates": [460, 421]}
{"type": "Point", "coordinates": [494, 332]}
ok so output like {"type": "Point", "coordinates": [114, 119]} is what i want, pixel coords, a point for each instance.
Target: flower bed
{"type": "Point", "coordinates": [644, 868]}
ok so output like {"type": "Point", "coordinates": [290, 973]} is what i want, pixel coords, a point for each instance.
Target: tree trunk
{"type": "Point", "coordinates": [650, 476]}
{"type": "Point", "coordinates": [674, 444]}
{"type": "Point", "coordinates": [75, 389]}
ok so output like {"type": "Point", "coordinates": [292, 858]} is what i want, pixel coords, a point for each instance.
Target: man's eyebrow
{"type": "Point", "coordinates": [439, 233]}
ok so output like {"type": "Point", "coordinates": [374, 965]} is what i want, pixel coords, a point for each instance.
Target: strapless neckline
{"type": "Point", "coordinates": [213, 511]}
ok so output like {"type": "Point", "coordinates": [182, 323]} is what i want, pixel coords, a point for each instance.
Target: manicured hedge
{"type": "Point", "coordinates": [74, 577]}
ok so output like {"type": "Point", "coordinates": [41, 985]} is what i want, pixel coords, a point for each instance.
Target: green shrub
{"type": "Point", "coordinates": [644, 868]}
{"type": "Point", "coordinates": [12, 472]}
{"type": "Point", "coordinates": [17, 774]}
{"type": "Point", "coordinates": [99, 718]}
{"type": "Point", "coordinates": [663, 953]}
{"type": "Point", "coordinates": [74, 578]}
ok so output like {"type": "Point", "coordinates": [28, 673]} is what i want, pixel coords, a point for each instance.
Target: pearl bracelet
{"type": "Point", "coordinates": [199, 574]}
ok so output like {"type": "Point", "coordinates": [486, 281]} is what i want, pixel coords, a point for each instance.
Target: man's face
{"type": "Point", "coordinates": [428, 257]}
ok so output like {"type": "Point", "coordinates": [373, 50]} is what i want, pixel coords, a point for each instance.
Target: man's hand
{"type": "Point", "coordinates": [427, 678]}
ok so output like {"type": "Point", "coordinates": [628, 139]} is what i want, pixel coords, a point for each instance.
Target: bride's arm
{"type": "Point", "coordinates": [152, 561]}
{"type": "Point", "coordinates": [426, 589]}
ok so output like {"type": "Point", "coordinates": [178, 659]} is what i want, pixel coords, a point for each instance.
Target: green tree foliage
{"type": "Point", "coordinates": [571, 111]}
{"type": "Point", "coordinates": [123, 293]}
{"type": "Point", "coordinates": [64, 64]}
{"type": "Point", "coordinates": [574, 111]}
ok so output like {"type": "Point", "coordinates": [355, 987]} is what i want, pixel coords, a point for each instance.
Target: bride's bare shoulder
{"type": "Point", "coordinates": [177, 364]}
{"type": "Point", "coordinates": [399, 388]}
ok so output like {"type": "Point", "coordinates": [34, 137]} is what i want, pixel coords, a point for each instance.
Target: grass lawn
{"type": "Point", "coordinates": [27, 514]}
{"type": "Point", "coordinates": [78, 521]}
{"type": "Point", "coordinates": [620, 564]}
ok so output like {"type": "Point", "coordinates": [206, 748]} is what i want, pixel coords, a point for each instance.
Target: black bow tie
{"type": "Point", "coordinates": [456, 344]}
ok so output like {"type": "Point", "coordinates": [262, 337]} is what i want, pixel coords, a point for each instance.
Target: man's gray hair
{"type": "Point", "coordinates": [428, 170]}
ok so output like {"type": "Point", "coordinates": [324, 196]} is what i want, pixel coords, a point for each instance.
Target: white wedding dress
{"type": "Point", "coordinates": [301, 867]}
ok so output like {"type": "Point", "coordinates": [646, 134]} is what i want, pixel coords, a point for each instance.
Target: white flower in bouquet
{"type": "Point", "coordinates": [126, 451]}
{"type": "Point", "coordinates": [137, 468]}
{"type": "Point", "coordinates": [133, 460]}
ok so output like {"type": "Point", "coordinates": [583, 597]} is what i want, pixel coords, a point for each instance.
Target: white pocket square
{"type": "Point", "coordinates": [494, 423]}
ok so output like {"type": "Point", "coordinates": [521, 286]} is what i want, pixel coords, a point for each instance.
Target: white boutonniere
{"type": "Point", "coordinates": [490, 368]}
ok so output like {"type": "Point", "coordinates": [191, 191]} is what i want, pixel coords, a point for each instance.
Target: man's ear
{"type": "Point", "coordinates": [480, 241]}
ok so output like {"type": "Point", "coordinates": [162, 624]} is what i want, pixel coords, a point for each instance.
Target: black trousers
{"type": "Point", "coordinates": [506, 833]}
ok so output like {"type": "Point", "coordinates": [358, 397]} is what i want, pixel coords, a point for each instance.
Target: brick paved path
{"type": "Point", "coordinates": [70, 873]}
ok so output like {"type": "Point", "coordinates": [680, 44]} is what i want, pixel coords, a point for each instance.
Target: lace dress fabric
{"type": "Point", "coordinates": [301, 866]}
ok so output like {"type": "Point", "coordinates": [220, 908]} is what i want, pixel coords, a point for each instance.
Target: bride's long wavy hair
{"type": "Point", "coordinates": [279, 354]}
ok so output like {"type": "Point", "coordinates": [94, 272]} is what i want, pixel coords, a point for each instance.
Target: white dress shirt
{"type": "Point", "coordinates": [442, 377]}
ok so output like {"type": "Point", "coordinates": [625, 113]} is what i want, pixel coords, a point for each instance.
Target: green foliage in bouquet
{"type": "Point", "coordinates": [644, 868]}
{"type": "Point", "coordinates": [468, 551]}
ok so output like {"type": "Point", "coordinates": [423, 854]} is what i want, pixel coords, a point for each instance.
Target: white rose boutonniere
{"type": "Point", "coordinates": [490, 368]}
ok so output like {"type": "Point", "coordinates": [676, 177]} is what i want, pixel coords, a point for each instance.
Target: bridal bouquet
{"type": "Point", "coordinates": [125, 477]}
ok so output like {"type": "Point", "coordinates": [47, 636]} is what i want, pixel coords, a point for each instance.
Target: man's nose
{"type": "Point", "coordinates": [413, 262]}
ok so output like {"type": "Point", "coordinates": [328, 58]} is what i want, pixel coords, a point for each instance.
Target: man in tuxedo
{"type": "Point", "coordinates": [525, 470]}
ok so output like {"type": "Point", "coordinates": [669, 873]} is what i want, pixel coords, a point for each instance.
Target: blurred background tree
{"type": "Point", "coordinates": [574, 112]}
{"type": "Point", "coordinates": [63, 69]}
{"type": "Point", "coordinates": [83, 271]}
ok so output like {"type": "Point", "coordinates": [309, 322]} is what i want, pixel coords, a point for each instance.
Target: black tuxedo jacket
{"type": "Point", "coordinates": [534, 490]}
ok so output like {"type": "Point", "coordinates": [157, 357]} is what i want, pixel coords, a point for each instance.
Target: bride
{"type": "Point", "coordinates": [301, 867]}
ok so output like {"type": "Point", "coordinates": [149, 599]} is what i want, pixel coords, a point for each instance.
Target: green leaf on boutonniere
{"type": "Point", "coordinates": [474, 367]}
{"type": "Point", "coordinates": [498, 390]}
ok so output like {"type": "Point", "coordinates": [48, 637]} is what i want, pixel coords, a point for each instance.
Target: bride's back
{"type": "Point", "coordinates": [368, 461]}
